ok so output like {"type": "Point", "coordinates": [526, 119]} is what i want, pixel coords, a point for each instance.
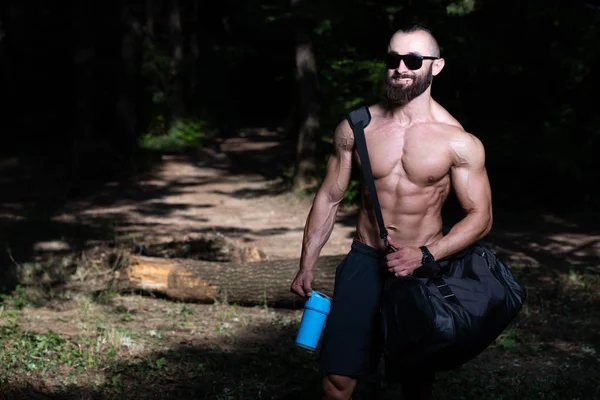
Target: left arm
{"type": "Point", "coordinates": [472, 187]}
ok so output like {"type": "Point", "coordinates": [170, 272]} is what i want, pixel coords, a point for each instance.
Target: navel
{"type": "Point", "coordinates": [431, 178]}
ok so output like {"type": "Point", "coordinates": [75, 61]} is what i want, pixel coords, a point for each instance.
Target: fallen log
{"type": "Point", "coordinates": [257, 283]}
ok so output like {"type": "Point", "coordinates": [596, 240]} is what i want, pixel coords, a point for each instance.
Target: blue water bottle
{"type": "Point", "coordinates": [316, 310]}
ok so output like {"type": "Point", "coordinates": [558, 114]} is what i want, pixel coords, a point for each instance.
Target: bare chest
{"type": "Point", "coordinates": [419, 156]}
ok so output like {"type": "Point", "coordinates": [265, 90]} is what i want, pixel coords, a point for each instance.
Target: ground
{"type": "Point", "coordinates": [80, 339]}
{"type": "Point", "coordinates": [216, 193]}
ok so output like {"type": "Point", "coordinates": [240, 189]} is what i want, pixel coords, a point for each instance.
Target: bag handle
{"type": "Point", "coordinates": [359, 119]}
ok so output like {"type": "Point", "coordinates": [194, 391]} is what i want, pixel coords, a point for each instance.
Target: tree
{"type": "Point", "coordinates": [127, 101]}
{"type": "Point", "coordinates": [307, 102]}
{"type": "Point", "coordinates": [84, 83]}
{"type": "Point", "coordinates": [194, 52]}
{"type": "Point", "coordinates": [176, 38]}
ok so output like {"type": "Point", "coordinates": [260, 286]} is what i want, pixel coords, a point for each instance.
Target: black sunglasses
{"type": "Point", "coordinates": [412, 61]}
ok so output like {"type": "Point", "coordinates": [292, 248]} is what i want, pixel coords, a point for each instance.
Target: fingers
{"type": "Point", "coordinates": [302, 288]}
{"type": "Point", "coordinates": [297, 288]}
{"type": "Point", "coordinates": [392, 263]}
{"type": "Point", "coordinates": [302, 284]}
{"type": "Point", "coordinates": [397, 253]}
{"type": "Point", "coordinates": [400, 271]}
{"type": "Point", "coordinates": [307, 288]}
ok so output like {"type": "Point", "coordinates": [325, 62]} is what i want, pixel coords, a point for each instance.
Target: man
{"type": "Point", "coordinates": [418, 153]}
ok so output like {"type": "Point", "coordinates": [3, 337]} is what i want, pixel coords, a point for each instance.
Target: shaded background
{"type": "Point", "coordinates": [95, 91]}
{"type": "Point", "coordinates": [92, 79]}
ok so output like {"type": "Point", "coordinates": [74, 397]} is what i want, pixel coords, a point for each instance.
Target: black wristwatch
{"type": "Point", "coordinates": [427, 256]}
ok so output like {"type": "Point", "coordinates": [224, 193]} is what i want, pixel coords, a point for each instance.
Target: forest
{"type": "Point", "coordinates": [161, 74]}
{"type": "Point", "coordinates": [185, 134]}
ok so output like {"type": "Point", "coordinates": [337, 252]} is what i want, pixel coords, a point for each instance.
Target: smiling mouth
{"type": "Point", "coordinates": [402, 80]}
{"type": "Point", "coordinates": [399, 77]}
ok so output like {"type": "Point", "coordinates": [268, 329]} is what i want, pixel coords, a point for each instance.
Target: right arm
{"type": "Point", "coordinates": [321, 218]}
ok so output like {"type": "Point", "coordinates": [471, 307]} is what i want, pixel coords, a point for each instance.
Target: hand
{"type": "Point", "coordinates": [403, 260]}
{"type": "Point", "coordinates": [302, 284]}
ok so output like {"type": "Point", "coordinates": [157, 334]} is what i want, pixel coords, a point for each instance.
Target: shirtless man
{"type": "Point", "coordinates": [418, 153]}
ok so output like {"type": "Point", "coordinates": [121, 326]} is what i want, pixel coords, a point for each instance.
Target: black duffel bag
{"type": "Point", "coordinates": [447, 312]}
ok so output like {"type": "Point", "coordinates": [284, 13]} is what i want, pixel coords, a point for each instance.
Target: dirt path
{"type": "Point", "coordinates": [187, 197]}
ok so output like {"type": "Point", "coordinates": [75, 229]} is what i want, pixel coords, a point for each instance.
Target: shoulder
{"type": "Point", "coordinates": [461, 146]}
{"type": "Point", "coordinates": [464, 147]}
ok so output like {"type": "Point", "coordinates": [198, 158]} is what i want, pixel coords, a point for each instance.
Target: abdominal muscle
{"type": "Point", "coordinates": [411, 213]}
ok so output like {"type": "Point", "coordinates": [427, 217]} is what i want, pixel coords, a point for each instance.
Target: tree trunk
{"type": "Point", "coordinates": [177, 102]}
{"type": "Point", "coordinates": [84, 107]}
{"type": "Point", "coordinates": [308, 106]}
{"type": "Point", "coordinates": [126, 106]}
{"type": "Point", "coordinates": [2, 28]}
{"type": "Point", "coordinates": [149, 18]}
{"type": "Point", "coordinates": [259, 283]}
{"type": "Point", "coordinates": [194, 55]}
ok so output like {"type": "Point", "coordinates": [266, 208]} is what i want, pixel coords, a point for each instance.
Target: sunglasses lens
{"type": "Point", "coordinates": [392, 60]}
{"type": "Point", "coordinates": [413, 62]}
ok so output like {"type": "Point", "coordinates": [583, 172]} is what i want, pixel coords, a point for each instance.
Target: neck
{"type": "Point", "coordinates": [418, 109]}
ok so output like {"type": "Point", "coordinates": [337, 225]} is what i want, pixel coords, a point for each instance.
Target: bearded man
{"type": "Point", "coordinates": [418, 153]}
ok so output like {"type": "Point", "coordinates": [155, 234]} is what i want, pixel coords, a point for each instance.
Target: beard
{"type": "Point", "coordinates": [400, 95]}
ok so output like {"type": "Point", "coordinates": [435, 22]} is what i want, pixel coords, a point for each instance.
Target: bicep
{"type": "Point", "coordinates": [469, 177]}
{"type": "Point", "coordinates": [339, 166]}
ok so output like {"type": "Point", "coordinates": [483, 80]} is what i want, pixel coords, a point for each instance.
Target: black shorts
{"type": "Point", "coordinates": [352, 339]}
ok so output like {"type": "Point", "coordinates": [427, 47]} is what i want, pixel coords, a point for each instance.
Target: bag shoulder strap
{"type": "Point", "coordinates": [359, 119]}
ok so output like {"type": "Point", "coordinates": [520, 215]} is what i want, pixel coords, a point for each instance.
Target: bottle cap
{"type": "Point", "coordinates": [319, 302]}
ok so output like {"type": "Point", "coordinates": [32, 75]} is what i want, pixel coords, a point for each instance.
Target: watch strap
{"type": "Point", "coordinates": [427, 256]}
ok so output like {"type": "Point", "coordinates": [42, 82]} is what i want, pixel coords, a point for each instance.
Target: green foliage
{"type": "Point", "coordinates": [156, 64]}
{"type": "Point", "coordinates": [18, 298]}
{"type": "Point", "coordinates": [508, 340]}
{"type": "Point", "coordinates": [349, 83]}
{"type": "Point", "coordinates": [352, 192]}
{"type": "Point", "coordinates": [324, 27]}
{"type": "Point", "coordinates": [181, 136]}
{"type": "Point", "coordinates": [461, 7]}
{"type": "Point", "coordinates": [41, 354]}
{"type": "Point", "coordinates": [163, 133]}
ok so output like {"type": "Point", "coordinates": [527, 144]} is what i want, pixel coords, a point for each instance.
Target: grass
{"type": "Point", "coordinates": [107, 346]}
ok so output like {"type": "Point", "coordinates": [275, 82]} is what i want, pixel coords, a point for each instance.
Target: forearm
{"type": "Point", "coordinates": [317, 231]}
{"type": "Point", "coordinates": [466, 232]}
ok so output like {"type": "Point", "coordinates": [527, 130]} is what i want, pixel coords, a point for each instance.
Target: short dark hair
{"type": "Point", "coordinates": [410, 28]}
{"type": "Point", "coordinates": [416, 27]}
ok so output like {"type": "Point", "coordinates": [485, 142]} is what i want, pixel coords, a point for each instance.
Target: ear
{"type": "Point", "coordinates": [438, 65]}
